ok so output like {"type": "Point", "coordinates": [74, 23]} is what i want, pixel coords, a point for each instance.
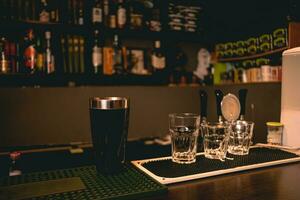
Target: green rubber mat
{"type": "Point", "coordinates": [129, 184]}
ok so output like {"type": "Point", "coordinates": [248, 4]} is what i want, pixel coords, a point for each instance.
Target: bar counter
{"type": "Point", "coordinates": [278, 182]}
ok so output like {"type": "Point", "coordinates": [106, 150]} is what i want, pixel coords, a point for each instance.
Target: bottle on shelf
{"type": "Point", "coordinates": [54, 11]}
{"type": "Point", "coordinates": [29, 54]}
{"type": "Point", "coordinates": [154, 22]}
{"type": "Point", "coordinates": [136, 11]}
{"type": "Point", "coordinates": [106, 17]}
{"type": "Point", "coordinates": [121, 14]}
{"type": "Point", "coordinates": [80, 12]}
{"type": "Point", "coordinates": [113, 15]}
{"type": "Point", "coordinates": [158, 59]}
{"type": "Point", "coordinates": [81, 54]}
{"type": "Point", "coordinates": [4, 64]}
{"type": "Point", "coordinates": [13, 57]}
{"type": "Point", "coordinates": [49, 58]}
{"type": "Point", "coordinates": [97, 14]}
{"type": "Point", "coordinates": [97, 54]}
{"type": "Point", "coordinates": [15, 169]}
{"type": "Point", "coordinates": [44, 14]}
{"type": "Point", "coordinates": [40, 58]}
{"type": "Point", "coordinates": [118, 64]}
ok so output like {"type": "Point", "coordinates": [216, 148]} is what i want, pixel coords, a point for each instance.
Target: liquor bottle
{"type": "Point", "coordinates": [49, 57]}
{"type": "Point", "coordinates": [106, 12]}
{"type": "Point", "coordinates": [97, 54]}
{"type": "Point", "coordinates": [14, 169]}
{"type": "Point", "coordinates": [76, 54]}
{"type": "Point", "coordinates": [75, 11]}
{"type": "Point", "coordinates": [121, 14]}
{"type": "Point", "coordinates": [112, 15]}
{"type": "Point", "coordinates": [4, 67]}
{"type": "Point", "coordinates": [64, 53]}
{"type": "Point", "coordinates": [13, 57]}
{"type": "Point", "coordinates": [97, 13]}
{"type": "Point", "coordinates": [54, 12]}
{"type": "Point", "coordinates": [154, 21]}
{"type": "Point", "coordinates": [81, 54]}
{"type": "Point", "coordinates": [80, 13]}
{"type": "Point", "coordinates": [158, 59]}
{"type": "Point", "coordinates": [70, 14]}
{"type": "Point", "coordinates": [29, 53]}
{"type": "Point", "coordinates": [44, 11]}
{"type": "Point", "coordinates": [40, 60]}
{"type": "Point", "coordinates": [117, 56]}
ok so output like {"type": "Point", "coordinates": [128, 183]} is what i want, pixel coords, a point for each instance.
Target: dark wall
{"type": "Point", "coordinates": [33, 116]}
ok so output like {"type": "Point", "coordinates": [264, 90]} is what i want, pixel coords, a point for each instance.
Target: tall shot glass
{"type": "Point", "coordinates": [184, 130]}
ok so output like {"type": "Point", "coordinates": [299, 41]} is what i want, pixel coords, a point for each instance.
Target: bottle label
{"type": "Point", "coordinates": [48, 61]}
{"type": "Point", "coordinates": [97, 57]}
{"type": "Point", "coordinates": [158, 62]}
{"type": "Point", "coordinates": [117, 55]}
{"type": "Point", "coordinates": [4, 66]}
{"type": "Point", "coordinates": [106, 8]}
{"type": "Point", "coordinates": [112, 21]}
{"type": "Point", "coordinates": [29, 55]}
{"type": "Point", "coordinates": [121, 16]}
{"type": "Point", "coordinates": [80, 21]}
{"type": "Point", "coordinates": [39, 61]}
{"type": "Point", "coordinates": [97, 15]}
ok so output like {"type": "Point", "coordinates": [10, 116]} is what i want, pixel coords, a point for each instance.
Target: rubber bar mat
{"type": "Point", "coordinates": [165, 171]}
{"type": "Point", "coordinates": [130, 183]}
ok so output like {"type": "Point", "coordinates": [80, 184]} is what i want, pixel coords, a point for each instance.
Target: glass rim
{"type": "Point", "coordinates": [184, 115]}
{"type": "Point", "coordinates": [212, 124]}
{"type": "Point", "coordinates": [108, 103]}
{"type": "Point", "coordinates": [244, 122]}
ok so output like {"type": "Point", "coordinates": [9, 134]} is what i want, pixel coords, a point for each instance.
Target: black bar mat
{"type": "Point", "coordinates": [41, 188]}
{"type": "Point", "coordinates": [129, 184]}
{"type": "Point", "coordinates": [168, 169]}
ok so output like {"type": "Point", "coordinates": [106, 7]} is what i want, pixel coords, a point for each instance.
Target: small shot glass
{"type": "Point", "coordinates": [216, 137]}
{"type": "Point", "coordinates": [240, 136]}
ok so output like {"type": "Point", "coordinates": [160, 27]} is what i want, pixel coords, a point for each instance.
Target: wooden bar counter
{"type": "Point", "coordinates": [277, 182]}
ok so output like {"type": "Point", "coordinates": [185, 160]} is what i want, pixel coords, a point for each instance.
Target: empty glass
{"type": "Point", "coordinates": [216, 137]}
{"type": "Point", "coordinates": [241, 133]}
{"type": "Point", "coordinates": [184, 130]}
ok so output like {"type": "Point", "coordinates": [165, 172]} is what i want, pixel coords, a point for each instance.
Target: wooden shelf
{"type": "Point", "coordinates": [61, 80]}
{"type": "Point", "coordinates": [252, 56]}
{"type": "Point", "coordinates": [249, 83]}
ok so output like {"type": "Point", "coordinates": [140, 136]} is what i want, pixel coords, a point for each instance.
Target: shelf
{"type": "Point", "coordinates": [249, 83]}
{"type": "Point", "coordinates": [20, 25]}
{"type": "Point", "coordinates": [252, 56]}
{"type": "Point", "coordinates": [60, 80]}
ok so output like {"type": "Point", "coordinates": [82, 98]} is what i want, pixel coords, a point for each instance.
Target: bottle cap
{"type": "Point", "coordinates": [274, 124]}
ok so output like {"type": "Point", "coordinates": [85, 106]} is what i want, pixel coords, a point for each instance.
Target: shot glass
{"type": "Point", "coordinates": [216, 136]}
{"type": "Point", "coordinates": [241, 133]}
{"type": "Point", "coordinates": [184, 130]}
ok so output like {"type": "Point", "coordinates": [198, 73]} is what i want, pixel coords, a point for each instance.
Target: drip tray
{"type": "Point", "coordinates": [165, 171]}
{"type": "Point", "coordinates": [80, 183]}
